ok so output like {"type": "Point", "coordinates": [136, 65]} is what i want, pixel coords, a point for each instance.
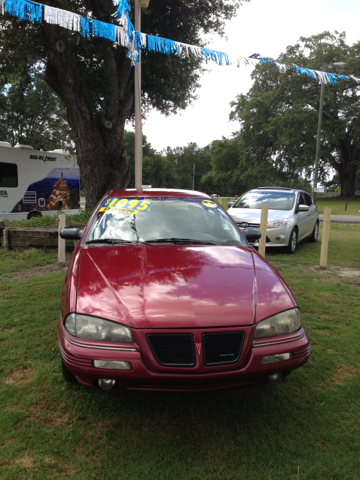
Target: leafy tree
{"type": "Point", "coordinates": [31, 114]}
{"type": "Point", "coordinates": [235, 170]}
{"type": "Point", "coordinates": [279, 115]}
{"type": "Point", "coordinates": [183, 160]}
{"type": "Point", "coordinates": [95, 80]}
{"type": "Point", "coordinates": [158, 171]}
{"type": "Point", "coordinates": [225, 158]}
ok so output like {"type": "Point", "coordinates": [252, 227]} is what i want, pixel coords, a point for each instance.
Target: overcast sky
{"type": "Point", "coordinates": [266, 27]}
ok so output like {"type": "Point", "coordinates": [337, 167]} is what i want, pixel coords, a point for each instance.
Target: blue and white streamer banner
{"type": "Point", "coordinates": [65, 19]}
{"type": "Point", "coordinates": [123, 8]}
{"type": "Point", "coordinates": [125, 35]}
{"type": "Point", "coordinates": [103, 30]}
{"type": "Point", "coordinates": [132, 40]}
{"type": "Point", "coordinates": [85, 26]}
{"type": "Point", "coordinates": [24, 9]}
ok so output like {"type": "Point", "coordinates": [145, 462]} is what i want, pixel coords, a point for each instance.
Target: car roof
{"type": "Point", "coordinates": [156, 192]}
{"type": "Point", "coordinates": [287, 189]}
{"type": "Point", "coordinates": [280, 189]}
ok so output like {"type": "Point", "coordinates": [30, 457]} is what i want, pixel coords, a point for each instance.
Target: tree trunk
{"type": "Point", "coordinates": [347, 167]}
{"type": "Point", "coordinates": [98, 132]}
{"type": "Point", "coordinates": [347, 181]}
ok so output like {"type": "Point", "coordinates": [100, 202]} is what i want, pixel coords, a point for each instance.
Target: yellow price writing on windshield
{"type": "Point", "coordinates": [125, 205]}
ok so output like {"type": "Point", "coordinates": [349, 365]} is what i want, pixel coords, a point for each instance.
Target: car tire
{"type": "Point", "coordinates": [68, 376]}
{"type": "Point", "coordinates": [292, 242]}
{"type": "Point", "coordinates": [315, 233]}
{"type": "Point", "coordinates": [34, 214]}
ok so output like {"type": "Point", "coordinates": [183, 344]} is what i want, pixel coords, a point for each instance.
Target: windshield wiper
{"type": "Point", "coordinates": [111, 241]}
{"type": "Point", "coordinates": [182, 241]}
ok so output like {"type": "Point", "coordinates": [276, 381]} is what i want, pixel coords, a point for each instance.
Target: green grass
{"type": "Point", "coordinates": [338, 204]}
{"type": "Point", "coordinates": [305, 428]}
{"type": "Point", "coordinates": [23, 260]}
{"type": "Point", "coordinates": [50, 221]}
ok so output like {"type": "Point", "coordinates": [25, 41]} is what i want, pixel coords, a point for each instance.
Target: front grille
{"type": "Point", "coordinates": [241, 224]}
{"type": "Point", "coordinates": [176, 350]}
{"type": "Point", "coordinates": [222, 348]}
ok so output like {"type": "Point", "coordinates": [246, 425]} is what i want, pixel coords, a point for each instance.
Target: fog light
{"type": "Point", "coordinates": [275, 377]}
{"type": "Point", "coordinates": [282, 357]}
{"type": "Point", "coordinates": [106, 383]}
{"type": "Point", "coordinates": [112, 365]}
{"type": "Point", "coordinates": [280, 238]}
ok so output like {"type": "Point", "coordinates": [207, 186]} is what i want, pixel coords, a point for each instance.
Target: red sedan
{"type": "Point", "coordinates": [163, 292]}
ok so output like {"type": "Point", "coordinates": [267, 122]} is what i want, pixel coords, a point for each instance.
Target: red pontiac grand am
{"type": "Point", "coordinates": [164, 293]}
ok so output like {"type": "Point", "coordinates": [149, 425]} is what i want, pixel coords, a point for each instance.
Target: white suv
{"type": "Point", "coordinates": [293, 216]}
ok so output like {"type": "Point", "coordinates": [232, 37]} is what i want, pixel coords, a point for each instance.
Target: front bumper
{"type": "Point", "coordinates": [147, 374]}
{"type": "Point", "coordinates": [275, 237]}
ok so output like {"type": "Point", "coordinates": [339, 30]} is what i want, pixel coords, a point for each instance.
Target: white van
{"type": "Point", "coordinates": [35, 183]}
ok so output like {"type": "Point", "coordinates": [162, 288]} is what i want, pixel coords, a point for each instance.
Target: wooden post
{"type": "Point", "coordinates": [61, 242]}
{"type": "Point", "coordinates": [6, 239]}
{"type": "Point", "coordinates": [325, 237]}
{"type": "Point", "coordinates": [263, 225]}
{"type": "Point", "coordinates": [137, 102]}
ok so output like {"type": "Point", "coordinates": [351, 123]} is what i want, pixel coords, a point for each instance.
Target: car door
{"type": "Point", "coordinates": [311, 214]}
{"type": "Point", "coordinates": [302, 217]}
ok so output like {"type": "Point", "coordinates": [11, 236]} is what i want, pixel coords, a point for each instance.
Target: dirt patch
{"type": "Point", "coordinates": [337, 271]}
{"type": "Point", "coordinates": [18, 377]}
{"type": "Point", "coordinates": [342, 374]}
{"type": "Point", "coordinates": [326, 333]}
{"type": "Point", "coordinates": [348, 272]}
{"type": "Point", "coordinates": [25, 462]}
{"type": "Point", "coordinates": [44, 414]}
{"type": "Point", "coordinates": [11, 330]}
{"type": "Point", "coordinates": [19, 276]}
{"type": "Point", "coordinates": [50, 461]}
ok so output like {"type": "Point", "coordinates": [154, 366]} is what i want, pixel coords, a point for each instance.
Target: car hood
{"type": "Point", "coordinates": [170, 286]}
{"type": "Point", "coordinates": [252, 215]}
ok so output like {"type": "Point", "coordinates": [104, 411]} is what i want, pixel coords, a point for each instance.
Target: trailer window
{"type": "Point", "coordinates": [8, 175]}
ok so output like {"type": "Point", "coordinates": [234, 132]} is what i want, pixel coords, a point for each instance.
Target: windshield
{"type": "Point", "coordinates": [163, 220]}
{"type": "Point", "coordinates": [275, 200]}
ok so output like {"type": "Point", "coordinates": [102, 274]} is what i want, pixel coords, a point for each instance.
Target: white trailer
{"type": "Point", "coordinates": [35, 183]}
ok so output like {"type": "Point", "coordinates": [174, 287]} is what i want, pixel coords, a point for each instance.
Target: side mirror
{"type": "Point", "coordinates": [230, 204]}
{"type": "Point", "coordinates": [303, 208]}
{"type": "Point", "coordinates": [251, 234]}
{"type": "Point", "coordinates": [71, 233]}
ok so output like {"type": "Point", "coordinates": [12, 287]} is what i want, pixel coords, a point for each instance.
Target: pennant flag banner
{"type": "Point", "coordinates": [126, 36]}
{"type": "Point", "coordinates": [31, 11]}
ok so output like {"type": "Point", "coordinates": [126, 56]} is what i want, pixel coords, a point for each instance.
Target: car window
{"type": "Point", "coordinates": [308, 199]}
{"type": "Point", "coordinates": [275, 200]}
{"type": "Point", "coordinates": [301, 199]}
{"type": "Point", "coordinates": [149, 219]}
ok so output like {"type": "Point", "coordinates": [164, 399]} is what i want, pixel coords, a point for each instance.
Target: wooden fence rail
{"type": "Point", "coordinates": [14, 238]}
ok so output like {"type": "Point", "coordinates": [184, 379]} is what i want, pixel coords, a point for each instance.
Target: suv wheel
{"type": "Point", "coordinates": [315, 233]}
{"type": "Point", "coordinates": [292, 242]}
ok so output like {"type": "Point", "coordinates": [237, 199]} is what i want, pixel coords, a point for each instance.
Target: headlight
{"type": "Point", "coordinates": [277, 224]}
{"type": "Point", "coordinates": [94, 328]}
{"type": "Point", "coordinates": [279, 324]}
